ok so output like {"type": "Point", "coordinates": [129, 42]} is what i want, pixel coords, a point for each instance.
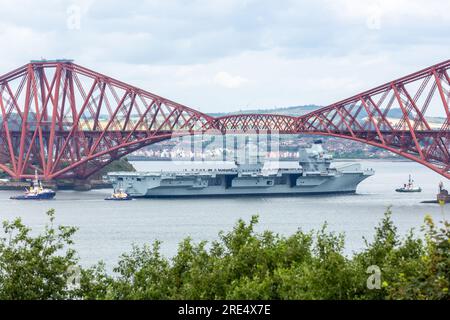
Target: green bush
{"type": "Point", "coordinates": [241, 264]}
{"type": "Point", "coordinates": [36, 267]}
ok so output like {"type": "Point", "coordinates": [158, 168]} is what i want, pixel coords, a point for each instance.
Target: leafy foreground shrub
{"type": "Point", "coordinates": [241, 264]}
{"type": "Point", "coordinates": [34, 267]}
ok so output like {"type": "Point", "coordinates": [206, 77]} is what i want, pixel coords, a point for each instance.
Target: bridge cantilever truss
{"type": "Point", "coordinates": [68, 121]}
{"type": "Point", "coordinates": [409, 116]}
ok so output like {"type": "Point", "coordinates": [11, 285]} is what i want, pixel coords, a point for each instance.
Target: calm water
{"type": "Point", "coordinates": [107, 229]}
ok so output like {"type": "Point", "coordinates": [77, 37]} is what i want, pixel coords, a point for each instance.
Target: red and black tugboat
{"type": "Point", "coordinates": [409, 187]}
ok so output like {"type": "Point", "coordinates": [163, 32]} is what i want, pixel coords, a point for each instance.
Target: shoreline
{"type": "Point", "coordinates": [21, 185]}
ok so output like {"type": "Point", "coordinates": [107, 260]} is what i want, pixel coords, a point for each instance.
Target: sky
{"type": "Point", "coordinates": [230, 55]}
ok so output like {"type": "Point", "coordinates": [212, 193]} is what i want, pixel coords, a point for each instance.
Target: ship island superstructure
{"type": "Point", "coordinates": [312, 173]}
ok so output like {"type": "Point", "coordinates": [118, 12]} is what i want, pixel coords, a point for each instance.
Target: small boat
{"type": "Point", "coordinates": [36, 191]}
{"type": "Point", "coordinates": [409, 187]}
{"type": "Point", "coordinates": [119, 195]}
{"type": "Point", "coordinates": [442, 197]}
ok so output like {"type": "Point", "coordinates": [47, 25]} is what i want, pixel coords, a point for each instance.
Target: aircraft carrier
{"type": "Point", "coordinates": [310, 174]}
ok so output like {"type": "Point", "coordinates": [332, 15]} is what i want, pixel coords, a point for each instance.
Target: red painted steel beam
{"type": "Point", "coordinates": [74, 141]}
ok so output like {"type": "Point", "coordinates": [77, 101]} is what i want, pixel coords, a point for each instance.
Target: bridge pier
{"type": "Point", "coordinates": [82, 185]}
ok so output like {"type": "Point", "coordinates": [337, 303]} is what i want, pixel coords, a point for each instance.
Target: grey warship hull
{"type": "Point", "coordinates": [228, 183]}
{"type": "Point", "coordinates": [311, 174]}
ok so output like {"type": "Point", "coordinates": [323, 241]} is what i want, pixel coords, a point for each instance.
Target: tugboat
{"type": "Point", "coordinates": [119, 195]}
{"type": "Point", "coordinates": [409, 187]}
{"type": "Point", "coordinates": [36, 191]}
{"type": "Point", "coordinates": [442, 196]}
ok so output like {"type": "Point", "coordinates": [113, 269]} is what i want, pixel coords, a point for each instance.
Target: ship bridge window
{"type": "Point", "coordinates": [269, 182]}
{"type": "Point", "coordinates": [138, 179]}
{"type": "Point", "coordinates": [120, 179]}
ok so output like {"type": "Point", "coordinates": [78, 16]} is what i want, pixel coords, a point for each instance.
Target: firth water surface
{"type": "Point", "coordinates": [107, 229]}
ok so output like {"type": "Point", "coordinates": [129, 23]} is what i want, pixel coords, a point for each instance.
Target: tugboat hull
{"type": "Point", "coordinates": [41, 196]}
{"type": "Point", "coordinates": [118, 199]}
{"type": "Point", "coordinates": [408, 191]}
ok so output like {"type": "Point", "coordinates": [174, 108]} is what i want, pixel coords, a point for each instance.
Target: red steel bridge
{"type": "Point", "coordinates": [67, 121]}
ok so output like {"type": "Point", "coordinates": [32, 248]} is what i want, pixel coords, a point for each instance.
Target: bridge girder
{"type": "Point", "coordinates": [68, 121]}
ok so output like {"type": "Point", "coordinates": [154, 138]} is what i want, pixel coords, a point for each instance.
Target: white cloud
{"type": "Point", "coordinates": [394, 9]}
{"type": "Point", "coordinates": [278, 53]}
{"type": "Point", "coordinates": [227, 80]}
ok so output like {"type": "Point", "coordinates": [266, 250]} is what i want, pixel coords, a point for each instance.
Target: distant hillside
{"type": "Point", "coordinates": [290, 111]}
{"type": "Point", "coordinates": [394, 113]}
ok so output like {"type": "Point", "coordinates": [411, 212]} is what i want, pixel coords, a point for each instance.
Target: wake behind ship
{"type": "Point", "coordinates": [312, 174]}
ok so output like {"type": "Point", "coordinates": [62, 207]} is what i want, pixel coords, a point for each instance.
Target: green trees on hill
{"type": "Point", "coordinates": [117, 165]}
{"type": "Point", "coordinates": [241, 264]}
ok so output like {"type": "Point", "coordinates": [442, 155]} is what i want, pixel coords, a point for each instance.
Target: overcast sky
{"type": "Point", "coordinates": [226, 55]}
